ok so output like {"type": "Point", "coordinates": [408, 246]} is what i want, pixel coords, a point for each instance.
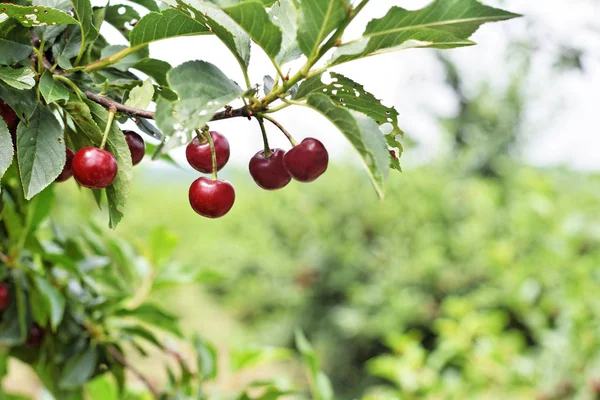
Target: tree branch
{"type": "Point", "coordinates": [229, 112]}
{"type": "Point", "coordinates": [119, 358]}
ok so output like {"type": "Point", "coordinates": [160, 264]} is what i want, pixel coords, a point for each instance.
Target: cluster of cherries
{"type": "Point", "coordinates": [35, 335]}
{"type": "Point", "coordinates": [213, 198]}
{"type": "Point", "coordinates": [96, 168]}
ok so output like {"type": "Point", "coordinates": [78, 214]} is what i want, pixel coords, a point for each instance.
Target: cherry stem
{"type": "Point", "coordinates": [111, 115]}
{"type": "Point", "coordinates": [213, 153]}
{"type": "Point", "coordinates": [267, 150]}
{"type": "Point", "coordinates": [281, 128]}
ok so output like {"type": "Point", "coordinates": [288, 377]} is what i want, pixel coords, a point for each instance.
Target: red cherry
{"type": "Point", "coordinates": [9, 116]}
{"type": "Point", "coordinates": [211, 198]}
{"type": "Point", "coordinates": [67, 171]}
{"type": "Point", "coordinates": [4, 296]}
{"type": "Point", "coordinates": [137, 147]}
{"type": "Point", "coordinates": [94, 168]}
{"type": "Point", "coordinates": [307, 160]}
{"type": "Point", "coordinates": [269, 173]}
{"type": "Point", "coordinates": [35, 336]}
{"type": "Point", "coordinates": [199, 156]}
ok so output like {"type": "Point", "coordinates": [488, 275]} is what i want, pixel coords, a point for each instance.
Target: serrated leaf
{"type": "Point", "coordinates": [254, 20]}
{"type": "Point", "coordinates": [285, 15]}
{"type": "Point", "coordinates": [78, 370]}
{"type": "Point", "coordinates": [345, 92]}
{"type": "Point", "coordinates": [121, 16]}
{"type": "Point", "coordinates": [168, 23]}
{"type": "Point", "coordinates": [442, 24]}
{"type": "Point", "coordinates": [141, 96]}
{"type": "Point", "coordinates": [157, 69]}
{"type": "Point", "coordinates": [54, 301]}
{"type": "Point", "coordinates": [18, 78]}
{"type": "Point", "coordinates": [203, 89]}
{"type": "Point", "coordinates": [362, 132]}
{"type": "Point", "coordinates": [24, 102]}
{"type": "Point", "coordinates": [6, 148]}
{"type": "Point", "coordinates": [35, 15]}
{"type": "Point", "coordinates": [15, 43]}
{"type": "Point", "coordinates": [41, 151]}
{"type": "Point", "coordinates": [149, 4]}
{"type": "Point", "coordinates": [52, 90]}
{"type": "Point", "coordinates": [316, 20]}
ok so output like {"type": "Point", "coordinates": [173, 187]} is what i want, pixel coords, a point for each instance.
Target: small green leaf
{"type": "Point", "coordinates": [284, 14]}
{"type": "Point", "coordinates": [141, 96]}
{"type": "Point", "coordinates": [252, 356]}
{"type": "Point", "coordinates": [207, 359]}
{"type": "Point", "coordinates": [35, 15]}
{"type": "Point", "coordinates": [85, 16]}
{"type": "Point", "coordinates": [154, 315]}
{"type": "Point", "coordinates": [55, 301]}
{"type": "Point", "coordinates": [78, 370]}
{"type": "Point", "coordinates": [52, 90]}
{"type": "Point", "coordinates": [15, 43]}
{"type": "Point", "coordinates": [168, 23]}
{"type": "Point", "coordinates": [41, 151]}
{"type": "Point", "coordinates": [19, 78]}
{"type": "Point", "coordinates": [253, 18]}
{"type": "Point", "coordinates": [6, 148]}
{"type": "Point", "coordinates": [121, 16]}
{"type": "Point", "coordinates": [316, 20]}
{"type": "Point", "coordinates": [157, 69]}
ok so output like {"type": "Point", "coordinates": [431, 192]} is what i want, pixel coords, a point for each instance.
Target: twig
{"type": "Point", "coordinates": [119, 358]}
{"type": "Point", "coordinates": [136, 112]}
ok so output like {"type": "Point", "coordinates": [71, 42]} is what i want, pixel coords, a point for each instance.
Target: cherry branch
{"type": "Point", "coordinates": [229, 112]}
{"type": "Point", "coordinates": [119, 358]}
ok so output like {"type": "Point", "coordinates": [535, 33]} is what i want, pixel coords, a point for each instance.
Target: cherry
{"type": "Point", "coordinates": [4, 296]}
{"type": "Point", "coordinates": [199, 156]}
{"type": "Point", "coordinates": [94, 168]}
{"type": "Point", "coordinates": [137, 147]}
{"type": "Point", "coordinates": [35, 336]}
{"type": "Point", "coordinates": [67, 171]}
{"type": "Point", "coordinates": [211, 198]}
{"type": "Point", "coordinates": [9, 116]}
{"type": "Point", "coordinates": [269, 173]}
{"type": "Point", "coordinates": [307, 160]}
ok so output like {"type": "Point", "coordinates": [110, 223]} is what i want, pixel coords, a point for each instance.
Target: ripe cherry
{"type": "Point", "coordinates": [199, 156]}
{"type": "Point", "coordinates": [94, 168]}
{"type": "Point", "coordinates": [67, 171]}
{"type": "Point", "coordinates": [137, 147]}
{"type": "Point", "coordinates": [9, 116]}
{"type": "Point", "coordinates": [211, 198]}
{"type": "Point", "coordinates": [4, 296]}
{"type": "Point", "coordinates": [307, 160]}
{"type": "Point", "coordinates": [269, 173]}
{"type": "Point", "coordinates": [35, 336]}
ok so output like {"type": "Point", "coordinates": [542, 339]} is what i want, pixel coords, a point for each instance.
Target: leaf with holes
{"type": "Point", "coordinates": [347, 93]}
{"type": "Point", "coordinates": [362, 132]}
{"type": "Point", "coordinates": [35, 15]}
{"type": "Point", "coordinates": [40, 151]}
{"type": "Point", "coordinates": [442, 24]}
{"type": "Point", "coordinates": [122, 17]}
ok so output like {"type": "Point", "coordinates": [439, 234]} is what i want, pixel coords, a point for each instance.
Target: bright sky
{"type": "Point", "coordinates": [562, 118]}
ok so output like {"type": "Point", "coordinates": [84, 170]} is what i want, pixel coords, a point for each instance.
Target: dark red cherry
{"type": "Point", "coordinates": [269, 173]}
{"type": "Point", "coordinates": [211, 198]}
{"type": "Point", "coordinates": [199, 156]}
{"type": "Point", "coordinates": [35, 336]}
{"type": "Point", "coordinates": [307, 160]}
{"type": "Point", "coordinates": [9, 116]}
{"type": "Point", "coordinates": [67, 171]}
{"type": "Point", "coordinates": [137, 147]}
{"type": "Point", "coordinates": [4, 296]}
{"type": "Point", "coordinates": [94, 168]}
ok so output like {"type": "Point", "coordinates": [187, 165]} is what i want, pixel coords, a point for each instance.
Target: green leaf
{"type": "Point", "coordinates": [308, 354]}
{"type": "Point", "coordinates": [67, 46]}
{"type": "Point", "coordinates": [442, 24]}
{"type": "Point", "coordinates": [55, 301]}
{"type": "Point", "coordinates": [316, 20]}
{"type": "Point", "coordinates": [35, 15]}
{"type": "Point", "coordinates": [102, 388]}
{"type": "Point", "coordinates": [154, 315]}
{"type": "Point", "coordinates": [15, 43]}
{"type": "Point", "coordinates": [284, 14]}
{"type": "Point", "coordinates": [207, 359]}
{"type": "Point", "coordinates": [252, 356]}
{"type": "Point", "coordinates": [78, 370]}
{"type": "Point", "coordinates": [24, 102]}
{"type": "Point", "coordinates": [149, 4]}
{"type": "Point", "coordinates": [168, 23]}
{"type": "Point", "coordinates": [52, 90]}
{"type": "Point", "coordinates": [141, 96]}
{"type": "Point", "coordinates": [253, 18]}
{"type": "Point", "coordinates": [362, 132]}
{"type": "Point", "coordinates": [127, 62]}
{"type": "Point", "coordinates": [85, 16]}
{"type": "Point", "coordinates": [19, 78]}
{"type": "Point", "coordinates": [347, 93]}
{"type": "Point", "coordinates": [41, 151]}
{"type": "Point", "coordinates": [157, 69]}
{"type": "Point", "coordinates": [6, 148]}
{"type": "Point", "coordinates": [122, 21]}
{"type": "Point", "coordinates": [203, 89]}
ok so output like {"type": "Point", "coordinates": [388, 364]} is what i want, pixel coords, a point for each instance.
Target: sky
{"type": "Point", "coordinates": [561, 119]}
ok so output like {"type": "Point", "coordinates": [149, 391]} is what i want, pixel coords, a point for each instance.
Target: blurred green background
{"type": "Point", "coordinates": [477, 277]}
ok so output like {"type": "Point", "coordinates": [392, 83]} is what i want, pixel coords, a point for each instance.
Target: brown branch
{"type": "Point", "coordinates": [136, 112]}
{"type": "Point", "coordinates": [119, 358]}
